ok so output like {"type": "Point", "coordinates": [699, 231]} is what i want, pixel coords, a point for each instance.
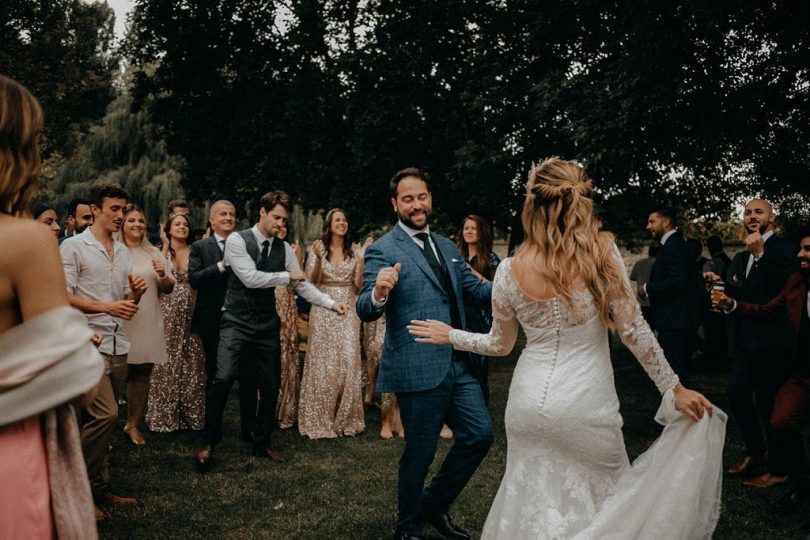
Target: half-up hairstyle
{"type": "Point", "coordinates": [562, 236]}
{"type": "Point", "coordinates": [326, 236]}
{"type": "Point", "coordinates": [20, 125]}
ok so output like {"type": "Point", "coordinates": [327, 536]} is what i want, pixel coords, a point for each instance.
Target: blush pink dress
{"type": "Point", "coordinates": [25, 495]}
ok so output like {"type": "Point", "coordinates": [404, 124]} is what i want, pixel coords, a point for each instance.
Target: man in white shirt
{"type": "Point", "coordinates": [249, 331]}
{"type": "Point", "coordinates": [100, 284]}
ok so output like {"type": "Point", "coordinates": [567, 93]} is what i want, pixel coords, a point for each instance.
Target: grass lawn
{"type": "Point", "coordinates": [345, 488]}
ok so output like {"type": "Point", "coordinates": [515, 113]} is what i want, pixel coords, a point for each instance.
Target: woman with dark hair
{"type": "Point", "coordinates": [44, 213]}
{"type": "Point", "coordinates": [46, 357]}
{"type": "Point", "coordinates": [146, 330]}
{"type": "Point", "coordinates": [474, 241]}
{"type": "Point", "coordinates": [331, 402]}
{"type": "Point", "coordinates": [177, 388]}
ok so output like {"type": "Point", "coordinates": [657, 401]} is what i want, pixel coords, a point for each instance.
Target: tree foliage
{"type": "Point", "coordinates": [62, 51]}
{"type": "Point", "coordinates": [686, 104]}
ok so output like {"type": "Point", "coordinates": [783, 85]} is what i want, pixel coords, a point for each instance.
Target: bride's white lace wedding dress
{"type": "Point", "coordinates": [567, 472]}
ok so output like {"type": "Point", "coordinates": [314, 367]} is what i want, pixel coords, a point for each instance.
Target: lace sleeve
{"type": "Point", "coordinates": [637, 336]}
{"type": "Point", "coordinates": [501, 337]}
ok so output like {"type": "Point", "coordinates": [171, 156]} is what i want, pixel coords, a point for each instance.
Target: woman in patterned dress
{"type": "Point", "coordinates": [145, 330]}
{"type": "Point", "coordinates": [373, 339]}
{"type": "Point", "coordinates": [331, 402]}
{"type": "Point", "coordinates": [177, 391]}
{"type": "Point", "coordinates": [287, 408]}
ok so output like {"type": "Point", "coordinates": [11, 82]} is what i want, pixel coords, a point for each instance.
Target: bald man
{"type": "Point", "coordinates": [762, 349]}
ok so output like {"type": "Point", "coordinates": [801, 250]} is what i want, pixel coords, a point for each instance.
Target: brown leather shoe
{"type": "Point", "coordinates": [111, 499]}
{"type": "Point", "coordinates": [134, 435]}
{"type": "Point", "coordinates": [203, 457]}
{"type": "Point", "coordinates": [744, 467]}
{"type": "Point", "coordinates": [268, 453]}
{"type": "Point", "coordinates": [99, 514]}
{"type": "Point", "coordinates": [765, 480]}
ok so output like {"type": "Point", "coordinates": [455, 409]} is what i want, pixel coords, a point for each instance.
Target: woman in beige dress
{"type": "Point", "coordinates": [145, 330]}
{"type": "Point", "coordinates": [177, 390]}
{"type": "Point", "coordinates": [287, 408]}
{"type": "Point", "coordinates": [331, 402]}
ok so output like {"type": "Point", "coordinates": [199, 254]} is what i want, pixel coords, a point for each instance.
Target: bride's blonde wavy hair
{"type": "Point", "coordinates": [561, 235]}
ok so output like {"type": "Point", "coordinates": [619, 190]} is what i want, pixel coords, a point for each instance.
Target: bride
{"type": "Point", "coordinates": [567, 472]}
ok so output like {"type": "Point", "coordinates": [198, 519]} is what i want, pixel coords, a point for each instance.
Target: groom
{"type": "Point", "coordinates": [411, 273]}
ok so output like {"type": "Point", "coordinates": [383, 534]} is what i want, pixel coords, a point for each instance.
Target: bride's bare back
{"type": "Point", "coordinates": [528, 280]}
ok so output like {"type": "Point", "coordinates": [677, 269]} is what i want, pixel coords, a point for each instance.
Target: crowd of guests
{"type": "Point", "coordinates": [175, 322]}
{"type": "Point", "coordinates": [750, 311]}
{"type": "Point", "coordinates": [173, 345]}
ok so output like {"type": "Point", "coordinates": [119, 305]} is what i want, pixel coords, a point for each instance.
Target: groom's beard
{"type": "Point", "coordinates": [407, 219]}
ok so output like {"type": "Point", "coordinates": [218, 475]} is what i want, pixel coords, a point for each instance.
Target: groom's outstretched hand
{"type": "Point", "coordinates": [386, 280]}
{"type": "Point", "coordinates": [692, 404]}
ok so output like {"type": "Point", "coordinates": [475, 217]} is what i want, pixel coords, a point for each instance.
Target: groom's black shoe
{"type": "Point", "coordinates": [406, 536]}
{"type": "Point", "coordinates": [444, 525]}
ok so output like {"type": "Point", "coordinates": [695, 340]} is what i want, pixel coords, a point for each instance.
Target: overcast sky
{"type": "Point", "coordinates": [121, 8]}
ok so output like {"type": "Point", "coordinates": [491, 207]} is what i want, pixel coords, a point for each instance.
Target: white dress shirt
{"type": "Point", "coordinates": [753, 259]}
{"type": "Point", "coordinates": [91, 275]}
{"type": "Point", "coordinates": [245, 269]}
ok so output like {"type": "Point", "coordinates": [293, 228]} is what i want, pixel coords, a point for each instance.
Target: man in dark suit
{"type": "Point", "coordinates": [412, 273]}
{"type": "Point", "coordinates": [249, 330]}
{"type": "Point", "coordinates": [791, 411]}
{"type": "Point", "coordinates": [208, 273]}
{"type": "Point", "coordinates": [673, 290]}
{"type": "Point", "coordinates": [759, 367]}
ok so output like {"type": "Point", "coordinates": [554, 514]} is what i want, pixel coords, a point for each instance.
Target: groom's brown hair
{"type": "Point", "coordinates": [404, 173]}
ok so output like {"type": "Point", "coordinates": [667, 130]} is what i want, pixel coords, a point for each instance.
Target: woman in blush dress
{"type": "Point", "coordinates": [567, 471]}
{"type": "Point", "coordinates": [44, 213]}
{"type": "Point", "coordinates": [474, 241]}
{"type": "Point", "coordinates": [46, 358]}
{"type": "Point", "coordinates": [287, 408]}
{"type": "Point", "coordinates": [331, 403]}
{"type": "Point", "coordinates": [177, 388]}
{"type": "Point", "coordinates": [145, 330]}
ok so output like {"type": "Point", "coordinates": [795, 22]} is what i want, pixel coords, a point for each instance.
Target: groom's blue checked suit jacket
{"type": "Point", "coordinates": [407, 366]}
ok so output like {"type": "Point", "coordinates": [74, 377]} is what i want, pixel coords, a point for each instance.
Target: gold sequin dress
{"type": "Point", "coordinates": [331, 403]}
{"type": "Point", "coordinates": [287, 408]}
{"type": "Point", "coordinates": [177, 388]}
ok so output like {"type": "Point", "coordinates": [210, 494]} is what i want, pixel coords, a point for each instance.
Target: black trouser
{"type": "Point", "coordinates": [752, 386]}
{"type": "Point", "coordinates": [247, 386]}
{"type": "Point", "coordinates": [256, 352]}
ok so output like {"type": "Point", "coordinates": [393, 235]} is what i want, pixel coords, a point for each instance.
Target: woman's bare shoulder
{"type": "Point", "coordinates": [23, 239]}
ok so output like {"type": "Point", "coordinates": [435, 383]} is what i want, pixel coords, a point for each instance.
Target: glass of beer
{"type": "Point", "coordinates": [717, 290]}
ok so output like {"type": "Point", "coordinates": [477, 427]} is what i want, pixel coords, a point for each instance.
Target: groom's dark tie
{"type": "Point", "coordinates": [429, 254]}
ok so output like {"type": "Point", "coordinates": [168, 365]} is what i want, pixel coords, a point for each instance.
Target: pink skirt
{"type": "Point", "coordinates": [25, 495]}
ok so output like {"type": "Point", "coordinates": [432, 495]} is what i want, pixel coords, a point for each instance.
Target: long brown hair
{"type": "Point", "coordinates": [20, 125]}
{"type": "Point", "coordinates": [326, 236]}
{"type": "Point", "coordinates": [562, 235]}
{"type": "Point", "coordinates": [168, 227]}
{"type": "Point", "coordinates": [482, 263]}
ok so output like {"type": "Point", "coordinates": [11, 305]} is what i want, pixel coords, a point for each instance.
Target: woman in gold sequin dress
{"type": "Point", "coordinates": [287, 408]}
{"type": "Point", "coordinates": [331, 402]}
{"type": "Point", "coordinates": [177, 389]}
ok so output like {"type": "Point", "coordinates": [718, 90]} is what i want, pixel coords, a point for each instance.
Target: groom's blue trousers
{"type": "Point", "coordinates": [459, 402]}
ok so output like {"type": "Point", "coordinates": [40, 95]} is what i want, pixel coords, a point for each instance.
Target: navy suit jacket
{"type": "Point", "coordinates": [408, 366]}
{"type": "Point", "coordinates": [674, 286]}
{"type": "Point", "coordinates": [763, 283]}
{"type": "Point", "coordinates": [210, 283]}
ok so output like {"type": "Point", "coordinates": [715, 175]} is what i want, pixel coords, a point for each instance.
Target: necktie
{"type": "Point", "coordinates": [265, 252]}
{"type": "Point", "coordinates": [429, 254]}
{"type": "Point", "coordinates": [221, 244]}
